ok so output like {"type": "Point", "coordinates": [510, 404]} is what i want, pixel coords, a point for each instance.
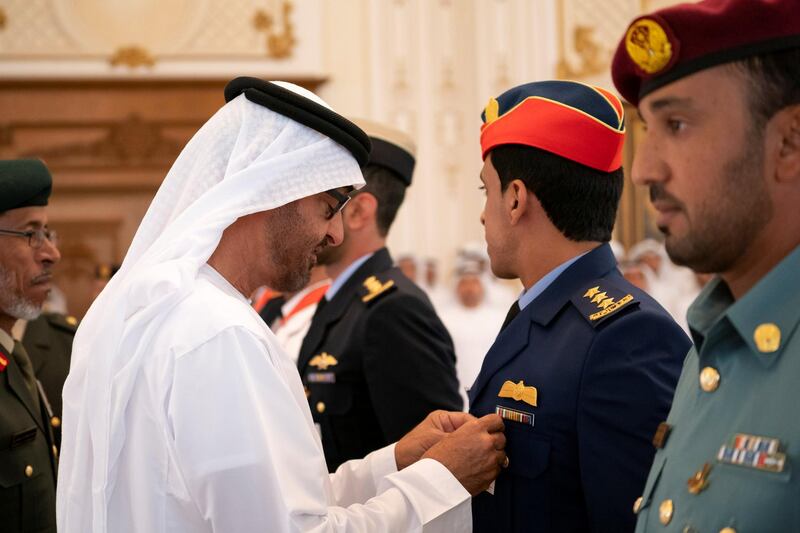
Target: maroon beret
{"type": "Point", "coordinates": [672, 43]}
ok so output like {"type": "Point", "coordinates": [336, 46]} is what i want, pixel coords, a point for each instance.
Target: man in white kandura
{"type": "Point", "coordinates": [181, 413]}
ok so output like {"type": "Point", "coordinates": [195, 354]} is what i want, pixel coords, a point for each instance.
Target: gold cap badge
{"type": "Point", "coordinates": [323, 361]}
{"type": "Point", "coordinates": [518, 392]}
{"type": "Point", "coordinates": [767, 337]}
{"type": "Point", "coordinates": [648, 45]}
{"type": "Point", "coordinates": [492, 110]}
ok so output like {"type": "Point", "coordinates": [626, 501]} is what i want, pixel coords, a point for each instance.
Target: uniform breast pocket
{"type": "Point", "coordinates": [528, 452]}
{"type": "Point", "coordinates": [16, 466]}
{"type": "Point", "coordinates": [334, 400]}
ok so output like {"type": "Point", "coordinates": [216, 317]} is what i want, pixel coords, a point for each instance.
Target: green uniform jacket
{"type": "Point", "coordinates": [27, 462]}
{"type": "Point", "coordinates": [48, 341]}
{"type": "Point", "coordinates": [734, 409]}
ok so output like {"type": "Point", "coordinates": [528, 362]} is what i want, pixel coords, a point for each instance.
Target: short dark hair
{"type": "Point", "coordinates": [774, 80]}
{"type": "Point", "coordinates": [389, 190]}
{"type": "Point", "coordinates": [579, 200]}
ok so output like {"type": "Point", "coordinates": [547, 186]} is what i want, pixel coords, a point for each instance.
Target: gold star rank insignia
{"type": "Point", "coordinates": [601, 300]}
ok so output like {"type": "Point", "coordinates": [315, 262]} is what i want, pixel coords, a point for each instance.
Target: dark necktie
{"type": "Point", "coordinates": [512, 312]}
{"type": "Point", "coordinates": [25, 366]}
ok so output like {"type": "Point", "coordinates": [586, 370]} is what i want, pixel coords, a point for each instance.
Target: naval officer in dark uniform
{"type": "Point", "coordinates": [586, 364]}
{"type": "Point", "coordinates": [27, 253]}
{"type": "Point", "coordinates": [376, 359]}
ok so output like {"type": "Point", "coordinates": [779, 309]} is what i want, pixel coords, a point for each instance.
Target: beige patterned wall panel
{"type": "Point", "coordinates": [434, 64]}
{"type": "Point", "coordinates": [151, 37]}
{"type": "Point", "coordinates": [589, 31]}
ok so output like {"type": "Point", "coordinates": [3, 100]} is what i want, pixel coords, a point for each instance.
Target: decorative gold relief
{"type": "Point", "coordinates": [132, 57]}
{"type": "Point", "coordinates": [280, 43]}
{"type": "Point", "coordinates": [593, 58]}
{"type": "Point", "coordinates": [3, 19]}
{"type": "Point", "coordinates": [131, 142]}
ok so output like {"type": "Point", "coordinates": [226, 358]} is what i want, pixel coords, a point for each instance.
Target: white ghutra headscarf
{"type": "Point", "coordinates": [245, 159]}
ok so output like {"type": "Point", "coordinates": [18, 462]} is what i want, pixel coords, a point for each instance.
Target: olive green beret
{"type": "Point", "coordinates": [24, 183]}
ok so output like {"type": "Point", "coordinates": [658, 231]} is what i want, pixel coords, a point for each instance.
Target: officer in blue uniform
{"type": "Point", "coordinates": [28, 457]}
{"type": "Point", "coordinates": [718, 85]}
{"type": "Point", "coordinates": [585, 365]}
{"type": "Point", "coordinates": [377, 358]}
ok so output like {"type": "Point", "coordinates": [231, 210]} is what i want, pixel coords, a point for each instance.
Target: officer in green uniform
{"type": "Point", "coordinates": [48, 341]}
{"type": "Point", "coordinates": [718, 85]}
{"type": "Point", "coordinates": [27, 253]}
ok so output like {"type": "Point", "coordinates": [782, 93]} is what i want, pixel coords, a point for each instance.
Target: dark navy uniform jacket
{"type": "Point", "coordinates": [604, 359]}
{"type": "Point", "coordinates": [375, 362]}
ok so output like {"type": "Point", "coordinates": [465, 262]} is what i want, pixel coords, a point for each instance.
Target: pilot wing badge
{"type": "Point", "coordinates": [323, 360]}
{"type": "Point", "coordinates": [519, 392]}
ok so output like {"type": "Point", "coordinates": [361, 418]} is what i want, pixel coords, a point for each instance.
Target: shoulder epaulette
{"type": "Point", "coordinates": [65, 322]}
{"type": "Point", "coordinates": [374, 288]}
{"type": "Point", "coordinates": [602, 299]}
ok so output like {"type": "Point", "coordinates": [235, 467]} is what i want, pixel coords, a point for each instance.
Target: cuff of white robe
{"type": "Point", "coordinates": [382, 462]}
{"type": "Point", "coordinates": [429, 486]}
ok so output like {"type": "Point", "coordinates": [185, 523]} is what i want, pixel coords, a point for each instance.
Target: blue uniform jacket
{"type": "Point", "coordinates": [583, 376]}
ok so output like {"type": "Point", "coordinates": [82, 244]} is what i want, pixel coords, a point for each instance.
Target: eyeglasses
{"type": "Point", "coordinates": [341, 200]}
{"type": "Point", "coordinates": [35, 237]}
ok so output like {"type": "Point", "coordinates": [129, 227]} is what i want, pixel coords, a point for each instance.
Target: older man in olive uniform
{"type": "Point", "coordinates": [718, 85]}
{"type": "Point", "coordinates": [27, 253]}
{"type": "Point", "coordinates": [376, 359]}
{"type": "Point", "coordinates": [48, 341]}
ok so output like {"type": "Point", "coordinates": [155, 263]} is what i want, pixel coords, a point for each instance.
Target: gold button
{"type": "Point", "coordinates": [29, 471]}
{"type": "Point", "coordinates": [320, 407]}
{"type": "Point", "coordinates": [709, 379]}
{"type": "Point", "coordinates": [72, 321]}
{"type": "Point", "coordinates": [767, 337]}
{"type": "Point", "coordinates": [665, 511]}
{"type": "Point", "coordinates": [637, 505]}
{"type": "Point", "coordinates": [55, 451]}
{"type": "Point", "coordinates": [727, 530]}
{"type": "Point", "coordinates": [55, 422]}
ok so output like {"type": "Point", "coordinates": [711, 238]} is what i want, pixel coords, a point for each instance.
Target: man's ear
{"type": "Point", "coordinates": [360, 211]}
{"type": "Point", "coordinates": [786, 128]}
{"type": "Point", "coordinates": [516, 198]}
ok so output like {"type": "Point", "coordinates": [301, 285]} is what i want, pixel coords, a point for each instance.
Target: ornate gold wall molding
{"type": "Point", "coordinates": [593, 58]}
{"type": "Point", "coordinates": [280, 38]}
{"type": "Point", "coordinates": [130, 142]}
{"type": "Point", "coordinates": [132, 57]}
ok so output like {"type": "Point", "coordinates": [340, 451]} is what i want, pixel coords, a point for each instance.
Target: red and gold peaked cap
{"type": "Point", "coordinates": [578, 122]}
